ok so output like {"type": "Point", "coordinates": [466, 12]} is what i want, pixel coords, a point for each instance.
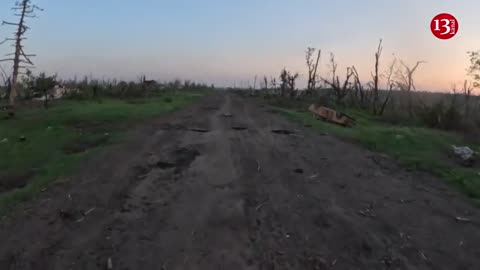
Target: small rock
{"type": "Point", "coordinates": [466, 154]}
{"type": "Point", "coordinates": [109, 264]}
{"type": "Point", "coordinates": [462, 219]}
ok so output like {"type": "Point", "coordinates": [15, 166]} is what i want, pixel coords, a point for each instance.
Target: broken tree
{"type": "Point", "coordinates": [26, 10]}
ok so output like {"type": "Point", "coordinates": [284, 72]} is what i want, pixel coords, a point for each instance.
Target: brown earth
{"type": "Point", "coordinates": [212, 187]}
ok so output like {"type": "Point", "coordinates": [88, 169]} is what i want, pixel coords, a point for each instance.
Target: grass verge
{"type": "Point", "coordinates": [41, 146]}
{"type": "Point", "coordinates": [416, 148]}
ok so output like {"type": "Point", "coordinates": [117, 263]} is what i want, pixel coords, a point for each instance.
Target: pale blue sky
{"type": "Point", "coordinates": [222, 41]}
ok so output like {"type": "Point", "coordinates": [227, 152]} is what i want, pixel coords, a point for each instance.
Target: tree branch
{"type": "Point", "coordinates": [9, 23]}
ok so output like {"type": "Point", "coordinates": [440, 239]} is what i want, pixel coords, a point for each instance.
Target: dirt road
{"type": "Point", "coordinates": [203, 189]}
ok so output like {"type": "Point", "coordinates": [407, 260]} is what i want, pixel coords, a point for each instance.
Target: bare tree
{"type": "Point", "coordinates": [474, 68]}
{"type": "Point", "coordinates": [43, 84]}
{"type": "Point", "coordinates": [390, 85]}
{"type": "Point", "coordinates": [406, 82]}
{"type": "Point", "coordinates": [340, 91]}
{"type": "Point", "coordinates": [264, 83]}
{"type": "Point", "coordinates": [287, 85]}
{"type": "Point", "coordinates": [283, 81]}
{"type": "Point", "coordinates": [467, 93]}
{"type": "Point", "coordinates": [273, 83]}
{"type": "Point", "coordinates": [312, 68]}
{"type": "Point", "coordinates": [376, 78]}
{"type": "Point", "coordinates": [26, 10]}
{"type": "Point", "coordinates": [357, 85]}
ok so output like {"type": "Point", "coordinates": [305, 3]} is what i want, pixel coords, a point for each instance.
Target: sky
{"type": "Point", "coordinates": [229, 42]}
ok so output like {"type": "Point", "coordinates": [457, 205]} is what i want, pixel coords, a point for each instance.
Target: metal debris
{"type": "Point", "coordinates": [462, 219]}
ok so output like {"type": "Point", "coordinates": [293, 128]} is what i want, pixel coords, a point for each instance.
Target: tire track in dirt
{"type": "Point", "coordinates": [212, 187]}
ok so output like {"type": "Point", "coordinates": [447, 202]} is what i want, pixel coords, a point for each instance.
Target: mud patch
{"type": "Point", "coordinates": [184, 157]}
{"type": "Point", "coordinates": [226, 115]}
{"type": "Point", "coordinates": [165, 165]}
{"type": "Point", "coordinates": [11, 181]}
{"type": "Point", "coordinates": [239, 128]}
{"type": "Point", "coordinates": [282, 131]}
{"type": "Point", "coordinates": [200, 130]}
{"type": "Point", "coordinates": [299, 171]}
{"type": "Point", "coordinates": [179, 159]}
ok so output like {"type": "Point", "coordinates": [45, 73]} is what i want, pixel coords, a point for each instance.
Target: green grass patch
{"type": "Point", "coordinates": [58, 138]}
{"type": "Point", "coordinates": [416, 148]}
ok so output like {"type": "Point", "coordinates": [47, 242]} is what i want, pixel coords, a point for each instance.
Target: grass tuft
{"type": "Point", "coordinates": [57, 139]}
{"type": "Point", "coordinates": [415, 147]}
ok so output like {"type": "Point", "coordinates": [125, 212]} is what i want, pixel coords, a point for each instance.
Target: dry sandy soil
{"type": "Point", "coordinates": [202, 189]}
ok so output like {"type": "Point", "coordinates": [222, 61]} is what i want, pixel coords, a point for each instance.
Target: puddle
{"type": "Point", "coordinates": [283, 131]}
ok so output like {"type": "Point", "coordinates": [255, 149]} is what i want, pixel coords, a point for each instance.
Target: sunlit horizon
{"type": "Point", "coordinates": [228, 44]}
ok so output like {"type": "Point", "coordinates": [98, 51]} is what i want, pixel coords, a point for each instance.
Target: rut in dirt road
{"type": "Point", "coordinates": [227, 184]}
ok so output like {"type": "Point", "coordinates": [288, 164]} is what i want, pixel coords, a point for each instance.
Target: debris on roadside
{"type": "Point", "coordinates": [463, 219]}
{"type": "Point", "coordinates": [423, 255]}
{"type": "Point", "coordinates": [109, 264]}
{"type": "Point", "coordinates": [367, 213]}
{"type": "Point", "coordinates": [465, 154]}
{"type": "Point", "coordinates": [407, 201]}
{"type": "Point", "coordinates": [332, 116]}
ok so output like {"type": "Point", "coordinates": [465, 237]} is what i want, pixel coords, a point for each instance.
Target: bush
{"type": "Point", "coordinates": [167, 100]}
{"type": "Point", "coordinates": [396, 117]}
{"type": "Point", "coordinates": [442, 117]}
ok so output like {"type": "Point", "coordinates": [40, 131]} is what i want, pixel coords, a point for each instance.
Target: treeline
{"type": "Point", "coordinates": [47, 87]}
{"type": "Point", "coordinates": [389, 93]}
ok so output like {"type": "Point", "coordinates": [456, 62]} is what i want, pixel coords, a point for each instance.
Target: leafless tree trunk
{"type": "Point", "coordinates": [340, 90]}
{"type": "Point", "coordinates": [312, 68]}
{"type": "Point", "coordinates": [27, 10]}
{"type": "Point", "coordinates": [467, 92]}
{"type": "Point", "coordinates": [376, 78]}
{"type": "Point", "coordinates": [357, 84]}
{"type": "Point", "coordinates": [390, 86]}
{"type": "Point", "coordinates": [407, 83]}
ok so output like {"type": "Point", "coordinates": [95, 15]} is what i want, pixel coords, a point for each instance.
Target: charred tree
{"type": "Point", "coordinates": [340, 90]}
{"type": "Point", "coordinates": [312, 68]}
{"type": "Point", "coordinates": [25, 10]}
{"type": "Point", "coordinates": [407, 83]}
{"type": "Point", "coordinates": [376, 79]}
